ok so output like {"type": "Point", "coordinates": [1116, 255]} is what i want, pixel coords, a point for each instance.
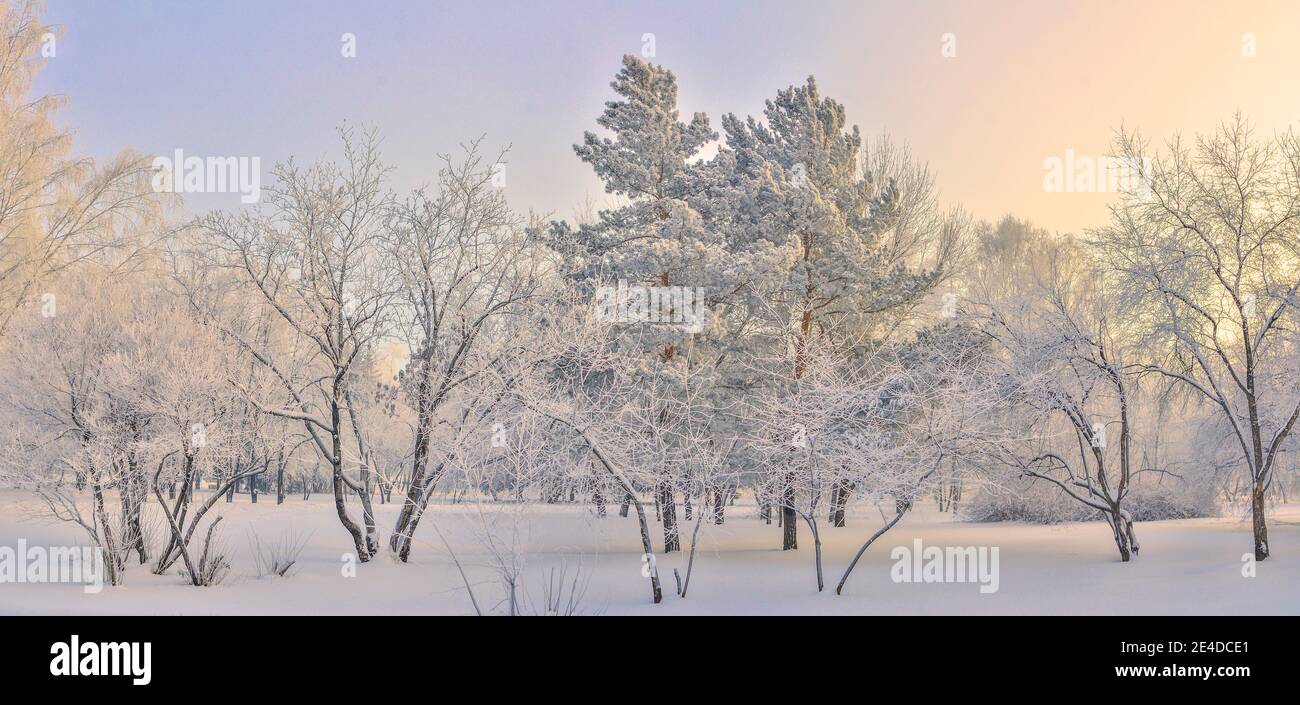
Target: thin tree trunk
{"type": "Point", "coordinates": [817, 549]}
{"type": "Point", "coordinates": [902, 509]}
{"type": "Point", "coordinates": [130, 498]}
{"type": "Point", "coordinates": [650, 567]}
{"type": "Point", "coordinates": [690, 560]}
{"type": "Point", "coordinates": [111, 563]}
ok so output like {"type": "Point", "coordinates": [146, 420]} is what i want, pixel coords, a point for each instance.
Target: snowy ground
{"type": "Point", "coordinates": [1186, 567]}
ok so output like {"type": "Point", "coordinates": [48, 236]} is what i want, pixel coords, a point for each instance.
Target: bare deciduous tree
{"type": "Point", "coordinates": [1205, 249]}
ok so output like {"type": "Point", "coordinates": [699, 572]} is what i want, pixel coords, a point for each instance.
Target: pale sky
{"type": "Point", "coordinates": [1029, 80]}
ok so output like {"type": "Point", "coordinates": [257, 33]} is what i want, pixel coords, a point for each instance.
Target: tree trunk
{"type": "Point", "coordinates": [418, 488]}
{"type": "Point", "coordinates": [649, 567]}
{"type": "Point", "coordinates": [598, 498]}
{"type": "Point", "coordinates": [789, 525]}
{"type": "Point", "coordinates": [340, 504]}
{"type": "Point", "coordinates": [1122, 530]}
{"type": "Point", "coordinates": [131, 496]}
{"type": "Point", "coordinates": [1258, 521]}
{"type": "Point", "coordinates": [668, 509]}
{"type": "Point", "coordinates": [368, 511]}
{"type": "Point", "coordinates": [188, 479]}
{"type": "Point", "coordinates": [111, 565]}
{"type": "Point", "coordinates": [839, 500]}
{"type": "Point", "coordinates": [817, 549]}
{"type": "Point", "coordinates": [622, 510]}
{"type": "Point", "coordinates": [902, 508]}
{"type": "Point", "coordinates": [1132, 538]}
{"type": "Point", "coordinates": [718, 505]}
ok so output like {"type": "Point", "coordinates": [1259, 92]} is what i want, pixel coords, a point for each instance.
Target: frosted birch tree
{"type": "Point", "coordinates": [314, 258]}
{"type": "Point", "coordinates": [462, 265]}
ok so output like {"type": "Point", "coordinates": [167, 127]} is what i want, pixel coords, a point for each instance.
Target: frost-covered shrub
{"type": "Point", "coordinates": [1036, 503]}
{"type": "Point", "coordinates": [1044, 503]}
{"type": "Point", "coordinates": [1171, 500]}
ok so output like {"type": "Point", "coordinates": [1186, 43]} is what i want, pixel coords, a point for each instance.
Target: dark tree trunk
{"type": "Point", "coordinates": [672, 542]}
{"type": "Point", "coordinates": [598, 498]}
{"type": "Point", "coordinates": [1122, 529]}
{"type": "Point", "coordinates": [789, 520]}
{"type": "Point", "coordinates": [340, 502]}
{"type": "Point", "coordinates": [1257, 508]}
{"type": "Point", "coordinates": [112, 566]}
{"type": "Point", "coordinates": [718, 506]}
{"type": "Point", "coordinates": [188, 479]}
{"type": "Point", "coordinates": [622, 510]}
{"type": "Point", "coordinates": [839, 500]}
{"type": "Point", "coordinates": [418, 487]}
{"type": "Point", "coordinates": [132, 496]}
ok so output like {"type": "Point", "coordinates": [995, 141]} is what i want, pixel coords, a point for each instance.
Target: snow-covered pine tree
{"type": "Point", "coordinates": [853, 224]}
{"type": "Point", "coordinates": [654, 241]}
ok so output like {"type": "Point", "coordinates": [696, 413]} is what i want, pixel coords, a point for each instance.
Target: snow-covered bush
{"type": "Point", "coordinates": [1153, 501]}
{"type": "Point", "coordinates": [1034, 503]}
{"type": "Point", "coordinates": [1041, 503]}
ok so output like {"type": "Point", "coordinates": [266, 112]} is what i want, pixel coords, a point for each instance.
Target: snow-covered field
{"type": "Point", "coordinates": [1186, 567]}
